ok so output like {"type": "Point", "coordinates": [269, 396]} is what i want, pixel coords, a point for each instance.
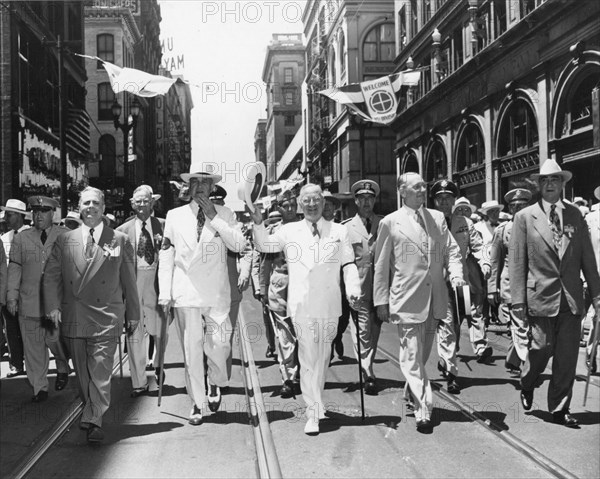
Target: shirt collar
{"type": "Point", "coordinates": [547, 205]}
{"type": "Point", "coordinates": [411, 211]}
{"type": "Point", "coordinates": [85, 229]}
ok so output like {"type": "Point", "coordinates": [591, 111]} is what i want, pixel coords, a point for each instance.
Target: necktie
{"type": "Point", "coordinates": [449, 222]}
{"type": "Point", "coordinates": [200, 225]}
{"type": "Point", "coordinates": [421, 222]}
{"type": "Point", "coordinates": [368, 225]}
{"type": "Point", "coordinates": [145, 245]}
{"type": "Point", "coordinates": [16, 233]}
{"type": "Point", "coordinates": [44, 236]}
{"type": "Point", "coordinates": [315, 230]}
{"type": "Point", "coordinates": [89, 246]}
{"type": "Point", "coordinates": [555, 227]}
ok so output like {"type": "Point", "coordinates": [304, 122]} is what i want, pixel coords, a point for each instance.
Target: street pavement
{"type": "Point", "coordinates": [143, 440]}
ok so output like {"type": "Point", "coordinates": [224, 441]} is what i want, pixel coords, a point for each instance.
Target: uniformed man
{"type": "Point", "coordinates": [499, 284]}
{"type": "Point", "coordinates": [28, 258]}
{"type": "Point", "coordinates": [362, 231]}
{"type": "Point", "coordinates": [14, 214]}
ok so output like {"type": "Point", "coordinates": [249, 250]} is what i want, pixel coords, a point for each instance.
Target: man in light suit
{"type": "Point", "coordinates": [194, 280]}
{"type": "Point", "coordinates": [145, 234]}
{"type": "Point", "coordinates": [28, 258]}
{"type": "Point", "coordinates": [89, 287]}
{"type": "Point", "coordinates": [593, 221]}
{"type": "Point", "coordinates": [414, 248]}
{"type": "Point", "coordinates": [362, 230]}
{"type": "Point", "coordinates": [316, 251]}
{"type": "Point", "coordinates": [551, 246]}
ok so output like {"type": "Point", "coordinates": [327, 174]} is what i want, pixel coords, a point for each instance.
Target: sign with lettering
{"type": "Point", "coordinates": [380, 99]}
{"type": "Point", "coordinates": [171, 60]}
{"type": "Point", "coordinates": [130, 4]}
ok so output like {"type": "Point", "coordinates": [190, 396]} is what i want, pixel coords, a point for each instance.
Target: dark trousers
{"type": "Point", "coordinates": [13, 338]}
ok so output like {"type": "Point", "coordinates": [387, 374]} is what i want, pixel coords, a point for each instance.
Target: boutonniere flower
{"type": "Point", "coordinates": [158, 241]}
{"type": "Point", "coordinates": [111, 249]}
{"type": "Point", "coordinates": [568, 231]}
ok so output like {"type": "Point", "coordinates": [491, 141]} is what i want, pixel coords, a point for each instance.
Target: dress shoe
{"type": "Point", "coordinates": [158, 372]}
{"type": "Point", "coordinates": [452, 386]}
{"type": "Point", "coordinates": [527, 399]}
{"type": "Point", "coordinates": [312, 427]}
{"type": "Point", "coordinates": [484, 355]}
{"type": "Point", "coordinates": [13, 372]}
{"type": "Point", "coordinates": [592, 366]}
{"type": "Point", "coordinates": [442, 368]}
{"type": "Point", "coordinates": [287, 390]}
{"type": "Point", "coordinates": [339, 348]}
{"type": "Point", "coordinates": [214, 398]}
{"type": "Point", "coordinates": [270, 353]}
{"type": "Point", "coordinates": [370, 386]}
{"type": "Point", "coordinates": [137, 392]}
{"type": "Point", "coordinates": [84, 426]}
{"type": "Point", "coordinates": [150, 366]}
{"type": "Point", "coordinates": [40, 396]}
{"type": "Point", "coordinates": [95, 434]}
{"type": "Point", "coordinates": [195, 416]}
{"type": "Point", "coordinates": [424, 426]}
{"type": "Point", "coordinates": [564, 418]}
{"type": "Point", "coordinates": [61, 381]}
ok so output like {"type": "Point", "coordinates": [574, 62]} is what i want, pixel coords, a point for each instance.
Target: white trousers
{"type": "Point", "coordinates": [314, 346]}
{"type": "Point", "coordinates": [203, 331]}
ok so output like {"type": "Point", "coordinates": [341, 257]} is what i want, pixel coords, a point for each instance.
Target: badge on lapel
{"type": "Point", "coordinates": [158, 241]}
{"type": "Point", "coordinates": [111, 250]}
{"type": "Point", "coordinates": [569, 231]}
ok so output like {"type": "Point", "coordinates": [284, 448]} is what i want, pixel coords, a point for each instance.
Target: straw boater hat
{"type": "Point", "coordinates": [72, 216]}
{"type": "Point", "coordinates": [578, 200]}
{"type": "Point", "coordinates": [16, 206]}
{"type": "Point", "coordinates": [207, 170]}
{"type": "Point", "coordinates": [462, 201]}
{"type": "Point", "coordinates": [253, 179]}
{"type": "Point", "coordinates": [490, 205]}
{"type": "Point", "coordinates": [551, 167]}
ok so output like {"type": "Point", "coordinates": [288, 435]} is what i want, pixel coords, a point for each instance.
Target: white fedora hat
{"type": "Point", "coordinates": [16, 206]}
{"type": "Point", "coordinates": [490, 205]}
{"type": "Point", "coordinates": [202, 170]}
{"type": "Point", "coordinates": [253, 179]}
{"type": "Point", "coordinates": [551, 167]}
{"type": "Point", "coordinates": [462, 201]}
{"type": "Point", "coordinates": [72, 216]}
{"type": "Point", "coordinates": [578, 199]}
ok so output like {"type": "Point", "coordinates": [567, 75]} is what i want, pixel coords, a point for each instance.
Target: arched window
{"type": "Point", "coordinates": [436, 165]}
{"type": "Point", "coordinates": [105, 48]}
{"type": "Point", "coordinates": [380, 44]}
{"type": "Point", "coordinates": [107, 151]}
{"type": "Point", "coordinates": [471, 151]}
{"type": "Point", "coordinates": [519, 129]}
{"type": "Point", "coordinates": [580, 105]}
{"type": "Point", "coordinates": [106, 98]}
{"type": "Point", "coordinates": [411, 164]}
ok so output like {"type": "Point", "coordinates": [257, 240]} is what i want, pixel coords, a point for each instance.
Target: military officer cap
{"type": "Point", "coordinates": [517, 194]}
{"type": "Point", "coordinates": [218, 193]}
{"type": "Point", "coordinates": [444, 186]}
{"type": "Point", "coordinates": [365, 187]}
{"type": "Point", "coordinates": [42, 202]}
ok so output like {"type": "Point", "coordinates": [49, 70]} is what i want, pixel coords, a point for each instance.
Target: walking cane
{"type": "Point", "coordinates": [360, 377]}
{"type": "Point", "coordinates": [120, 359]}
{"type": "Point", "coordinates": [592, 356]}
{"type": "Point", "coordinates": [279, 348]}
{"type": "Point", "coordinates": [161, 353]}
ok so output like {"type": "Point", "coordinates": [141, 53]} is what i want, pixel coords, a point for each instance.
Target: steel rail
{"type": "Point", "coordinates": [266, 454]}
{"type": "Point", "coordinates": [52, 434]}
{"type": "Point", "coordinates": [513, 441]}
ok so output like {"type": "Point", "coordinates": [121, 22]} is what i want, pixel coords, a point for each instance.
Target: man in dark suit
{"type": "Point", "coordinates": [28, 258]}
{"type": "Point", "coordinates": [145, 234]}
{"type": "Point", "coordinates": [550, 245]}
{"type": "Point", "coordinates": [90, 287]}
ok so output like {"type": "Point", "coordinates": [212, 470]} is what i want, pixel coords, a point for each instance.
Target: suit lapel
{"type": "Point", "coordinates": [408, 230]}
{"type": "Point", "coordinates": [189, 230]}
{"type": "Point", "coordinates": [569, 220]}
{"type": "Point", "coordinates": [130, 229]}
{"type": "Point", "coordinates": [360, 228]}
{"type": "Point", "coordinates": [76, 238]}
{"type": "Point", "coordinates": [98, 258]}
{"type": "Point", "coordinates": [540, 223]}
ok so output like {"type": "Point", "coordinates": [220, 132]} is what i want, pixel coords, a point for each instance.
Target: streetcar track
{"type": "Point", "coordinates": [498, 430]}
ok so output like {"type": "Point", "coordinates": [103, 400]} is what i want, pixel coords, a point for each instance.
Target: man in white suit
{"type": "Point", "coordinates": [193, 278]}
{"type": "Point", "coordinates": [316, 250]}
{"type": "Point", "coordinates": [413, 248]}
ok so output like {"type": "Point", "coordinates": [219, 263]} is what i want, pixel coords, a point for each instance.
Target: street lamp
{"type": "Point", "coordinates": [134, 111]}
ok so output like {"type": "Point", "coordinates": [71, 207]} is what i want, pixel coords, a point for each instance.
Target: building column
{"type": "Point", "coordinates": [542, 117]}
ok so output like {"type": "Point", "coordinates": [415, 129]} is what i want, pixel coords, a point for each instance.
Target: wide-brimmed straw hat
{"type": "Point", "coordinates": [552, 168]}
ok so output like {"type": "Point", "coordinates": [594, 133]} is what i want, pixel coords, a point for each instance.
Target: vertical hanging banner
{"type": "Point", "coordinates": [380, 99]}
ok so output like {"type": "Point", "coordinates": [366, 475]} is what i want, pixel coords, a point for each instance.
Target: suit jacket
{"type": "Point", "coordinates": [194, 273]}
{"type": "Point", "coordinates": [28, 259]}
{"type": "Point", "coordinates": [274, 276]}
{"type": "Point", "coordinates": [500, 254]}
{"type": "Point", "coordinates": [539, 274]}
{"type": "Point", "coordinates": [363, 244]}
{"type": "Point", "coordinates": [3, 274]}
{"type": "Point", "coordinates": [470, 244]}
{"type": "Point", "coordinates": [94, 296]}
{"type": "Point", "coordinates": [409, 277]}
{"type": "Point", "coordinates": [593, 221]}
{"type": "Point", "coordinates": [314, 266]}
{"type": "Point", "coordinates": [7, 239]}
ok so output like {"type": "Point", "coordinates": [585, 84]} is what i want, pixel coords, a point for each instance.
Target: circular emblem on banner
{"type": "Point", "coordinates": [381, 101]}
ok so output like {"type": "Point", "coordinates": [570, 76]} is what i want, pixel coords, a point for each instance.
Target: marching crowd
{"type": "Point", "coordinates": [74, 288]}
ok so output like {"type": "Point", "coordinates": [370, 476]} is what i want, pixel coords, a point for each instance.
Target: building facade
{"type": "Point", "coordinates": [347, 42]}
{"type": "Point", "coordinates": [505, 85]}
{"type": "Point", "coordinates": [43, 122]}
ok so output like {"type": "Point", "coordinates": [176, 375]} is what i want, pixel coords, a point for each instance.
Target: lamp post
{"type": "Point", "coordinates": [134, 111]}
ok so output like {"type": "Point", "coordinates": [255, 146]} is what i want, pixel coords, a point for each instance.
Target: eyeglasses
{"type": "Point", "coordinates": [311, 200]}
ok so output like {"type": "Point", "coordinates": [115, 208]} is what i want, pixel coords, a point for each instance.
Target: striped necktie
{"type": "Point", "coordinates": [555, 227]}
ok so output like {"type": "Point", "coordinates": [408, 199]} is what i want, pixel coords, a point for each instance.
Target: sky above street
{"type": "Point", "coordinates": [220, 47]}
